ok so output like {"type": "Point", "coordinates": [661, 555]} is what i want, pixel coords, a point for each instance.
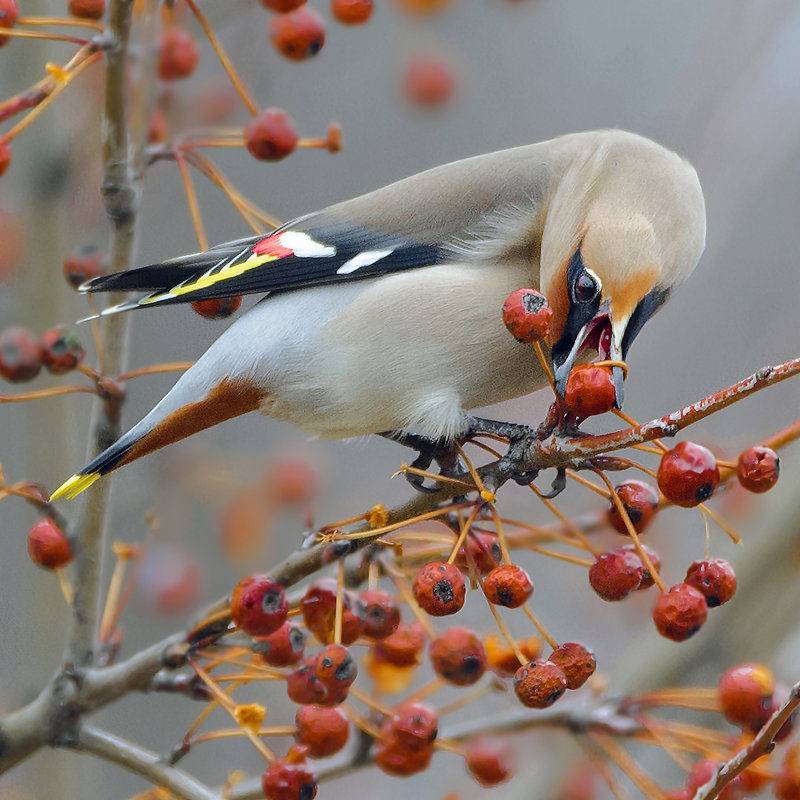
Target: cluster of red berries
{"type": "Point", "coordinates": [22, 355]}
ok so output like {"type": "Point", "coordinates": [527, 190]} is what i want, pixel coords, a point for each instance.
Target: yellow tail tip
{"type": "Point", "coordinates": [74, 486]}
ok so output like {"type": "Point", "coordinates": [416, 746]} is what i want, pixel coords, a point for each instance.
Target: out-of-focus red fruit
{"type": "Point", "coordinates": [319, 612]}
{"type": "Point", "coordinates": [351, 12]}
{"type": "Point", "coordinates": [616, 574]}
{"type": "Point", "coordinates": [87, 9]}
{"type": "Point", "coordinates": [290, 481]}
{"type": "Point", "coordinates": [422, 8]}
{"type": "Point", "coordinates": [575, 661]}
{"type": "Point", "coordinates": [12, 235]}
{"type": "Point", "coordinates": [244, 523]}
{"type": "Point", "coordinates": [680, 612]}
{"type": "Point", "coordinates": [47, 545]}
{"type": "Point", "coordinates": [5, 147]}
{"type": "Point", "coordinates": [714, 578]}
{"type": "Point", "coordinates": [539, 684]}
{"type": "Point", "coordinates": [508, 585]}
{"type": "Point", "coordinates": [170, 580]}
{"type": "Point", "coordinates": [590, 390]}
{"type": "Point", "coordinates": [284, 648]}
{"type": "Point", "coordinates": [779, 698]}
{"type": "Point", "coordinates": [283, 780]}
{"type": "Point", "coordinates": [457, 655]}
{"type": "Point", "coordinates": [481, 548]}
{"type": "Point", "coordinates": [20, 355]}
{"type": "Point", "coordinates": [787, 781]}
{"type": "Point", "coordinates": [655, 560]}
{"type": "Point", "coordinates": [703, 771]}
{"type": "Point", "coordinates": [9, 14]}
{"type": "Point", "coordinates": [178, 54]}
{"type": "Point", "coordinates": [440, 589]}
{"type": "Point", "coordinates": [158, 129]}
{"type": "Point", "coordinates": [502, 659]}
{"type": "Point", "coordinates": [62, 350]}
{"type": "Point", "coordinates": [580, 783]}
{"type": "Point", "coordinates": [527, 315]}
{"type": "Point", "coordinates": [298, 35]}
{"type": "Point", "coordinates": [758, 469]}
{"type": "Point", "coordinates": [217, 307]}
{"type": "Point", "coordinates": [258, 605]}
{"type": "Point", "coordinates": [688, 474]}
{"type": "Point", "coordinates": [282, 6]}
{"type": "Point", "coordinates": [393, 759]}
{"type": "Point", "coordinates": [745, 694]}
{"type": "Point", "coordinates": [403, 647]}
{"type": "Point", "coordinates": [381, 613]}
{"type": "Point", "coordinates": [491, 761]}
{"type": "Point", "coordinates": [271, 135]}
{"type": "Point", "coordinates": [640, 500]}
{"type": "Point", "coordinates": [413, 726]}
{"type": "Point", "coordinates": [336, 667]}
{"type": "Point", "coordinates": [429, 81]}
{"type": "Point", "coordinates": [323, 730]}
{"type": "Point", "coordinates": [83, 264]}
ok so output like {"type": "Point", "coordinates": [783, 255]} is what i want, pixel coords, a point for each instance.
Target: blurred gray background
{"type": "Point", "coordinates": [717, 81]}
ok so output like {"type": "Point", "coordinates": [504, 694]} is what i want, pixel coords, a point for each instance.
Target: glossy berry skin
{"type": "Point", "coordinates": [457, 655]}
{"type": "Point", "coordinates": [575, 661]}
{"type": "Point", "coordinates": [83, 264]}
{"type": "Point", "coordinates": [527, 315]}
{"type": "Point", "coordinates": [539, 684]}
{"type": "Point", "coordinates": [304, 687]}
{"type": "Point", "coordinates": [87, 9]}
{"type": "Point", "coordinates": [745, 694]}
{"type": "Point", "coordinates": [688, 474]}
{"type": "Point", "coordinates": [590, 391]}
{"type": "Point", "coordinates": [403, 647]}
{"type": "Point", "coordinates": [480, 549]}
{"type": "Point", "coordinates": [319, 612]}
{"type": "Point", "coordinates": [412, 726]}
{"type": "Point", "coordinates": [758, 469]}
{"type": "Point", "coordinates": [428, 82]}
{"type": "Point", "coordinates": [381, 613]}
{"type": "Point", "coordinates": [502, 659]}
{"type": "Point", "coordinates": [48, 546]}
{"type": "Point", "coordinates": [62, 350]}
{"type": "Point", "coordinates": [282, 6]}
{"type": "Point", "coordinates": [440, 589]}
{"type": "Point", "coordinates": [393, 759]}
{"type": "Point", "coordinates": [9, 14]}
{"type": "Point", "coordinates": [680, 612]}
{"type": "Point", "coordinates": [178, 54]}
{"type": "Point", "coordinates": [297, 35]}
{"type": "Point", "coordinates": [714, 578]}
{"type": "Point", "coordinates": [258, 605]}
{"type": "Point", "coordinates": [655, 560]}
{"type": "Point", "coordinates": [336, 667]}
{"type": "Point", "coordinates": [508, 585]}
{"type": "Point", "coordinates": [615, 574]}
{"type": "Point", "coordinates": [285, 781]}
{"type": "Point", "coordinates": [271, 136]}
{"type": "Point", "coordinates": [284, 648]}
{"type": "Point", "coordinates": [323, 730]}
{"type": "Point", "coordinates": [640, 501]}
{"type": "Point", "coordinates": [351, 12]}
{"type": "Point", "coordinates": [217, 307]}
{"type": "Point", "coordinates": [5, 148]}
{"type": "Point", "coordinates": [20, 355]}
{"type": "Point", "coordinates": [490, 761]}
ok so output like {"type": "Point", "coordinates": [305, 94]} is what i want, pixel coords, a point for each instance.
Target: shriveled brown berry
{"type": "Point", "coordinates": [20, 355]}
{"type": "Point", "coordinates": [655, 560]}
{"type": "Point", "coordinates": [393, 759]}
{"type": "Point", "coordinates": [381, 613]}
{"type": "Point", "coordinates": [258, 605]}
{"type": "Point", "coordinates": [527, 315]}
{"type": "Point", "coordinates": [48, 546]}
{"type": "Point", "coordinates": [351, 12]}
{"type": "Point", "coordinates": [429, 81]}
{"type": "Point", "coordinates": [271, 136]}
{"type": "Point", "coordinates": [440, 589]}
{"type": "Point", "coordinates": [298, 35]}
{"type": "Point", "coordinates": [87, 9]}
{"type": "Point", "coordinates": [178, 54]}
{"type": "Point", "coordinates": [758, 469]}
{"type": "Point", "coordinates": [282, 6]}
{"type": "Point", "coordinates": [283, 780]}
{"type": "Point", "coordinates": [413, 726]}
{"type": "Point", "coordinates": [403, 647]}
{"type": "Point", "coordinates": [640, 500]}
{"type": "Point", "coordinates": [688, 474]}
{"type": "Point", "coordinates": [9, 14]}
{"type": "Point", "coordinates": [336, 666]}
{"type": "Point", "coordinates": [284, 648]}
{"type": "Point", "coordinates": [590, 390]}
{"type": "Point", "coordinates": [490, 760]}
{"type": "Point", "coordinates": [83, 264]}
{"type": "Point", "coordinates": [714, 578]}
{"type": "Point", "coordinates": [575, 661]}
{"type": "Point", "coordinates": [680, 612]}
{"type": "Point", "coordinates": [62, 350]}
{"type": "Point", "coordinates": [745, 694]}
{"type": "Point", "coordinates": [616, 574]}
{"type": "Point", "coordinates": [508, 585]}
{"type": "Point", "coordinates": [480, 549]}
{"type": "Point", "coordinates": [323, 730]}
{"type": "Point", "coordinates": [539, 684]}
{"type": "Point", "coordinates": [217, 307]}
{"type": "Point", "coordinates": [319, 612]}
{"type": "Point", "coordinates": [304, 687]}
{"type": "Point", "coordinates": [457, 655]}
{"type": "Point", "coordinates": [501, 657]}
{"type": "Point", "coordinates": [5, 147]}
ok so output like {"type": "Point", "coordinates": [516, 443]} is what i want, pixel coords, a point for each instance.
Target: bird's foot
{"type": "Point", "coordinates": [428, 450]}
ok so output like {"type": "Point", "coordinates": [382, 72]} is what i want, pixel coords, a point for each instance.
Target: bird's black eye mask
{"type": "Point", "coordinates": [645, 309]}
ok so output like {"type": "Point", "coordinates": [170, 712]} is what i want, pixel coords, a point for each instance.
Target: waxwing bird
{"type": "Point", "coordinates": [383, 313]}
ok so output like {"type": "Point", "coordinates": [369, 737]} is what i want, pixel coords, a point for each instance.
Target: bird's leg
{"type": "Point", "coordinates": [513, 431]}
{"type": "Point", "coordinates": [440, 450]}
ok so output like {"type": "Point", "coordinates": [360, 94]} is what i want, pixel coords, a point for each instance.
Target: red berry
{"type": "Point", "coordinates": [640, 500]}
{"type": "Point", "coordinates": [62, 350]}
{"type": "Point", "coordinates": [83, 264]}
{"type": "Point", "coordinates": [304, 687]}
{"type": "Point", "coordinates": [508, 586]}
{"type": "Point", "coordinates": [258, 605]}
{"type": "Point", "coordinates": [482, 550]}
{"type": "Point", "coordinates": [616, 574]}
{"type": "Point", "coordinates": [413, 726]}
{"type": "Point", "coordinates": [9, 14]}
{"type": "Point", "coordinates": [381, 613]}
{"type": "Point", "coordinates": [787, 781]}
{"type": "Point", "coordinates": [440, 589]}
{"type": "Point", "coordinates": [47, 545]}
{"type": "Point", "coordinates": [703, 771]}
{"type": "Point", "coordinates": [758, 467]}
{"type": "Point", "coordinates": [284, 648]}
{"type": "Point", "coordinates": [282, 6]}
{"type": "Point", "coordinates": [403, 647]}
{"type": "Point", "coordinates": [351, 12]}
{"type": "Point", "coordinates": [655, 560]}
{"type": "Point", "coordinates": [539, 684]}
{"type": "Point", "coordinates": [290, 481]}
{"type": "Point", "coordinates": [297, 35]}
{"type": "Point", "coordinates": [178, 54]}
{"type": "Point", "coordinates": [283, 780]}
{"type": "Point", "coordinates": [490, 760]}
{"type": "Point", "coordinates": [575, 661]}
{"type": "Point", "coordinates": [457, 655]}
{"type": "Point", "coordinates": [715, 579]}
{"type": "Point", "coordinates": [688, 474]}
{"type": "Point", "coordinates": [429, 81]}
{"type": "Point", "coordinates": [680, 612]}
{"type": "Point", "coordinates": [319, 612]}
{"type": "Point", "coordinates": [336, 667]}
{"type": "Point", "coordinates": [590, 390]}
{"type": "Point", "coordinates": [323, 730]}
{"type": "Point", "coordinates": [87, 9]}
{"type": "Point", "coordinates": [20, 355]}
{"type": "Point", "coordinates": [527, 315]}
{"type": "Point", "coordinates": [5, 148]}
{"type": "Point", "coordinates": [271, 135]}
{"type": "Point", "coordinates": [745, 694]}
{"type": "Point", "coordinates": [217, 307]}
{"type": "Point", "coordinates": [393, 759]}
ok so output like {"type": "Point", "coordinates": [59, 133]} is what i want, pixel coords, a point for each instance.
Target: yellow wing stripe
{"type": "Point", "coordinates": [74, 486]}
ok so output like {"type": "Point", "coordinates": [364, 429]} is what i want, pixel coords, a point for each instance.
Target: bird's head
{"type": "Point", "coordinates": [623, 230]}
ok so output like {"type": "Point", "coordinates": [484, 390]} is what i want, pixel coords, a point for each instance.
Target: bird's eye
{"type": "Point", "coordinates": [585, 287]}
